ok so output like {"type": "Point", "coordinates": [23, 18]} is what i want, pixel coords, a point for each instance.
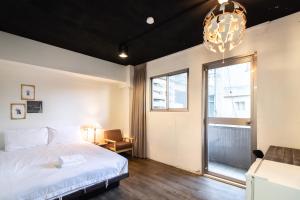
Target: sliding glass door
{"type": "Point", "coordinates": [229, 132]}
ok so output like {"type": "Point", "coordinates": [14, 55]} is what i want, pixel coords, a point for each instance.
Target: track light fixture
{"type": "Point", "coordinates": [123, 51]}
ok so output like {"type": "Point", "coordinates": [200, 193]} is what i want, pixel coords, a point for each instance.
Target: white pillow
{"type": "Point", "coordinates": [25, 138]}
{"type": "Point", "coordinates": [64, 135]}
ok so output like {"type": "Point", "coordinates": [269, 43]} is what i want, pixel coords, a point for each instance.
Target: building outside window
{"type": "Point", "coordinates": [229, 91]}
{"type": "Point", "coordinates": [170, 92]}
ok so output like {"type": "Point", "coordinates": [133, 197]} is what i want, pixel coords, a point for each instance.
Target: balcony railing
{"type": "Point", "coordinates": [229, 145]}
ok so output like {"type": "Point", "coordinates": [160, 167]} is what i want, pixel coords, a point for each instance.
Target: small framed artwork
{"type": "Point", "coordinates": [34, 107]}
{"type": "Point", "coordinates": [18, 111]}
{"type": "Point", "coordinates": [27, 92]}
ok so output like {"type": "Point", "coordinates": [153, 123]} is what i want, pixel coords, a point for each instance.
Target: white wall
{"type": "Point", "coordinates": [68, 98]}
{"type": "Point", "coordinates": [74, 88]}
{"type": "Point", "coordinates": [176, 138]}
{"type": "Point", "coordinates": [19, 49]}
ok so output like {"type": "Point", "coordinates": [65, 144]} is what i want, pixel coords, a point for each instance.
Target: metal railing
{"type": "Point", "coordinates": [229, 145]}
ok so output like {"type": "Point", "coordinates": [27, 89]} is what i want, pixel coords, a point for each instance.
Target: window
{"type": "Point", "coordinates": [240, 105]}
{"type": "Point", "coordinates": [170, 91]}
{"type": "Point", "coordinates": [159, 92]}
{"type": "Point", "coordinates": [211, 105]}
{"type": "Point", "coordinates": [229, 91]}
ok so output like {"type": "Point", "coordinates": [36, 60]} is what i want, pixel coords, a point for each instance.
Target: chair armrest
{"type": "Point", "coordinates": [109, 141]}
{"type": "Point", "coordinates": [129, 139]}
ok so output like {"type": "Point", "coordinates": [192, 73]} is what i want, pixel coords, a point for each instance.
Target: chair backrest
{"type": "Point", "coordinates": [115, 135]}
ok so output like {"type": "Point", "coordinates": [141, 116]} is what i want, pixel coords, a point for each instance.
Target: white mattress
{"type": "Point", "coordinates": [33, 173]}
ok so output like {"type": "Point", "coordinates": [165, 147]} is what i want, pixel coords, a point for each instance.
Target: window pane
{"type": "Point", "coordinates": [159, 93]}
{"type": "Point", "coordinates": [229, 91]}
{"type": "Point", "coordinates": [211, 105]}
{"type": "Point", "coordinates": [178, 91]}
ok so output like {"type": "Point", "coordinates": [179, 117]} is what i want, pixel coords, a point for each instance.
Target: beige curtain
{"type": "Point", "coordinates": [138, 121]}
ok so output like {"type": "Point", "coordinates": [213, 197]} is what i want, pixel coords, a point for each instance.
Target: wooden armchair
{"type": "Point", "coordinates": [116, 142]}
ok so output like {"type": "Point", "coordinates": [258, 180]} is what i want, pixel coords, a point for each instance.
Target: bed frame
{"type": "Point", "coordinates": [96, 189]}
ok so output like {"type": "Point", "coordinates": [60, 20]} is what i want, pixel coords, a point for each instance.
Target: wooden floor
{"type": "Point", "coordinates": [152, 180]}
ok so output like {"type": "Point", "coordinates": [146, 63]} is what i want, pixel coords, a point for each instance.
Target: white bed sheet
{"type": "Point", "coordinates": [33, 174]}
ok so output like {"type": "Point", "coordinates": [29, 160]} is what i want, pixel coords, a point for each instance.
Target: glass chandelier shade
{"type": "Point", "coordinates": [224, 27]}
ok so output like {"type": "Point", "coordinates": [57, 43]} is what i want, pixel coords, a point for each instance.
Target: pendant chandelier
{"type": "Point", "coordinates": [224, 26]}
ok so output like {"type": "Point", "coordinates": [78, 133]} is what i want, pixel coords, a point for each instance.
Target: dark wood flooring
{"type": "Point", "coordinates": [153, 180]}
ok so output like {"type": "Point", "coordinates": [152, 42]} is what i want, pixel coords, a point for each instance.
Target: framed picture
{"type": "Point", "coordinates": [18, 111]}
{"type": "Point", "coordinates": [27, 92]}
{"type": "Point", "coordinates": [34, 106]}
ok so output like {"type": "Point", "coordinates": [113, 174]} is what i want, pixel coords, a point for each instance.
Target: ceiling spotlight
{"type": "Point", "coordinates": [123, 51]}
{"type": "Point", "coordinates": [150, 20]}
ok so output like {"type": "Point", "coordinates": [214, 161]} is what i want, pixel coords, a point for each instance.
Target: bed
{"type": "Point", "coordinates": [33, 173]}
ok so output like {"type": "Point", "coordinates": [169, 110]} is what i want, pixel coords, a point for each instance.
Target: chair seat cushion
{"type": "Point", "coordinates": [121, 145]}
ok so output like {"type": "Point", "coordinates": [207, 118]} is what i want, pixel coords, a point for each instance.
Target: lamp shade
{"type": "Point", "coordinates": [91, 130]}
{"type": "Point", "coordinates": [92, 125]}
{"type": "Point", "coordinates": [224, 26]}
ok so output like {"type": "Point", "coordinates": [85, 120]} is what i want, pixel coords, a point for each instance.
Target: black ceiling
{"type": "Point", "coordinates": [97, 27]}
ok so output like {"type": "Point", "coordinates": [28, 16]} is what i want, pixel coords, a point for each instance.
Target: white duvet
{"type": "Point", "coordinates": [33, 173]}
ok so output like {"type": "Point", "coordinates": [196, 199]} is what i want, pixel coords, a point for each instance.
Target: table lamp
{"type": "Point", "coordinates": [93, 127]}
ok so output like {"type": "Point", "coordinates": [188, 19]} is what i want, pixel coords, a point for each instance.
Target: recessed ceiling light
{"type": "Point", "coordinates": [150, 20]}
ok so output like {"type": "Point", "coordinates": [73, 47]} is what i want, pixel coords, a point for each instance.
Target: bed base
{"type": "Point", "coordinates": [96, 189]}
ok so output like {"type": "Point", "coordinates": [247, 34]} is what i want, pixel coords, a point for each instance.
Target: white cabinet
{"type": "Point", "coordinates": [269, 180]}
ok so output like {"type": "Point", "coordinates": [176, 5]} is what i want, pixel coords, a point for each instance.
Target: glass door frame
{"type": "Point", "coordinates": [252, 58]}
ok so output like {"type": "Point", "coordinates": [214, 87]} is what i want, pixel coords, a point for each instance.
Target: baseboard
{"type": "Point", "coordinates": [225, 181]}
